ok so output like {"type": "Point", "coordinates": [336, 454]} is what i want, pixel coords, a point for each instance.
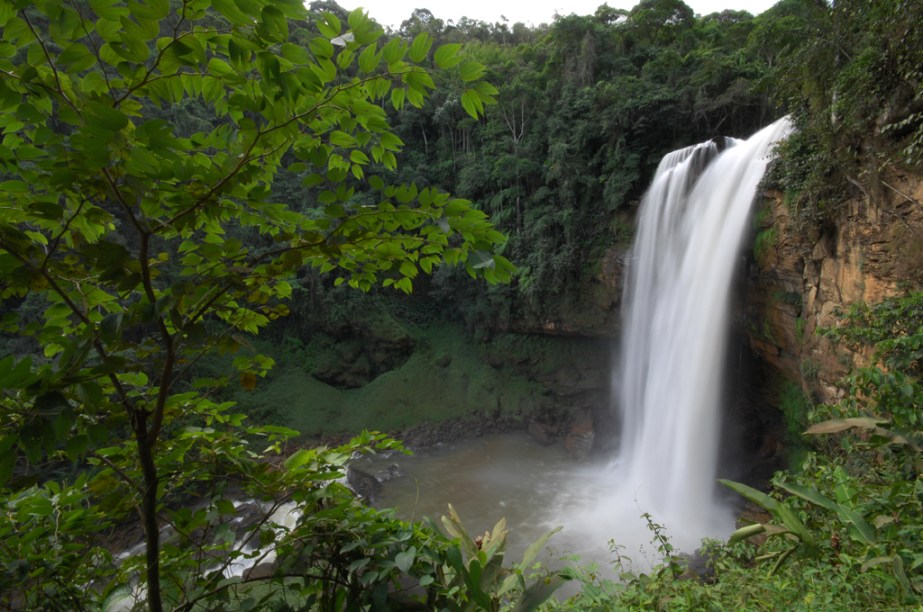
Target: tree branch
{"type": "Point", "coordinates": [54, 69]}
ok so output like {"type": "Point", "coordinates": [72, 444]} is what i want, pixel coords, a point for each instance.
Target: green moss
{"type": "Point", "coordinates": [765, 241]}
{"type": "Point", "coordinates": [799, 329]}
{"type": "Point", "coordinates": [445, 378]}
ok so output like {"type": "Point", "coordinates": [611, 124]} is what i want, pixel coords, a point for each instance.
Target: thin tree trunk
{"type": "Point", "coordinates": [149, 512]}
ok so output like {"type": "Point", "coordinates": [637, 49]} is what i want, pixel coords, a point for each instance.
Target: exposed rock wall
{"type": "Point", "coordinates": [798, 280]}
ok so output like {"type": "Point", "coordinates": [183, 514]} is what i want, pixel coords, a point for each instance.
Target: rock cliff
{"type": "Point", "coordinates": [798, 280]}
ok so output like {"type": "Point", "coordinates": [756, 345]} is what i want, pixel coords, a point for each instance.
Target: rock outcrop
{"type": "Point", "coordinates": [799, 282]}
{"type": "Point", "coordinates": [580, 436]}
{"type": "Point", "coordinates": [358, 350]}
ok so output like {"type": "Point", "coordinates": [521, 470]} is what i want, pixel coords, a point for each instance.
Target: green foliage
{"type": "Point", "coordinates": [584, 112]}
{"type": "Point", "coordinates": [890, 387]}
{"type": "Point", "coordinates": [152, 241]}
{"type": "Point", "coordinates": [846, 501]}
{"type": "Point", "coordinates": [851, 73]}
{"type": "Point", "coordinates": [794, 405]}
{"type": "Point", "coordinates": [477, 569]}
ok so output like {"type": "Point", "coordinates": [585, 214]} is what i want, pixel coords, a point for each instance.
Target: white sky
{"type": "Point", "coordinates": [530, 12]}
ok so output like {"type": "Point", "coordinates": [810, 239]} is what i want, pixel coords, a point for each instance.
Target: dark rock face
{"type": "Point", "coordinates": [580, 436]}
{"type": "Point", "coordinates": [594, 308]}
{"type": "Point", "coordinates": [425, 435]}
{"type": "Point", "coordinates": [575, 373]}
{"type": "Point", "coordinates": [263, 570]}
{"type": "Point", "coordinates": [363, 484]}
{"type": "Point", "coordinates": [359, 351]}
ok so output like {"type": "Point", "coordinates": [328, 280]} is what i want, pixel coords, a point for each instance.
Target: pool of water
{"type": "Point", "coordinates": [535, 488]}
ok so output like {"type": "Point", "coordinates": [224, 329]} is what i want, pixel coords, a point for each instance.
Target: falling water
{"type": "Point", "coordinates": [692, 223]}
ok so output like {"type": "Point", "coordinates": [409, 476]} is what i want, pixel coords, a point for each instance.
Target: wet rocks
{"type": "Point", "coordinates": [543, 433]}
{"type": "Point", "coordinates": [698, 566]}
{"type": "Point", "coordinates": [580, 436]}
{"type": "Point", "coordinates": [362, 483]}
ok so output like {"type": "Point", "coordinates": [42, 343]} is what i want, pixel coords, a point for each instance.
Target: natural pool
{"type": "Point", "coordinates": [536, 488]}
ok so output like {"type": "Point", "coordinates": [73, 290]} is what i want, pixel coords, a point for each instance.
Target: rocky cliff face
{"type": "Point", "coordinates": [798, 281]}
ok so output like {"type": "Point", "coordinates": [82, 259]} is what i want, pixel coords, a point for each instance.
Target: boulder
{"type": "Point", "coordinates": [698, 566]}
{"type": "Point", "coordinates": [543, 433]}
{"type": "Point", "coordinates": [362, 483]}
{"type": "Point", "coordinates": [580, 436]}
{"type": "Point", "coordinates": [262, 570]}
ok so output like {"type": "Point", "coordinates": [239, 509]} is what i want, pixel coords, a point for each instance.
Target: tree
{"type": "Point", "coordinates": [851, 74]}
{"type": "Point", "coordinates": [146, 247]}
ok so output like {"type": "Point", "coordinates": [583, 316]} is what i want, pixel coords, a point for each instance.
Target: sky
{"type": "Point", "coordinates": [531, 12]}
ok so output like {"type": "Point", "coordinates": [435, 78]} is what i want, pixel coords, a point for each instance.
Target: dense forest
{"type": "Point", "coordinates": [195, 190]}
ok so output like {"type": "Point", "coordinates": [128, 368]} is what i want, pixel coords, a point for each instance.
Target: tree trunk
{"type": "Point", "coordinates": [149, 512]}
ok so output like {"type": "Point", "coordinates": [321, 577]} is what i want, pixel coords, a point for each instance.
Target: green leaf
{"type": "Point", "coordinates": [220, 68]}
{"type": "Point", "coordinates": [106, 117]}
{"type": "Point", "coordinates": [404, 560]}
{"type": "Point", "coordinates": [300, 458]}
{"type": "Point", "coordinates": [153, 10]}
{"type": "Point", "coordinates": [811, 495]}
{"type": "Point", "coordinates": [76, 58]}
{"type": "Point", "coordinates": [110, 330]}
{"type": "Point", "coordinates": [409, 269]}
{"type": "Point", "coordinates": [405, 285]}
{"type": "Point", "coordinates": [420, 47]}
{"type": "Point", "coordinates": [329, 25]}
{"type": "Point", "coordinates": [447, 56]}
{"type": "Point", "coordinates": [535, 547]}
{"type": "Point", "coordinates": [757, 497]}
{"type": "Point", "coordinates": [369, 58]}
{"type": "Point", "coordinates": [297, 54]}
{"type": "Point", "coordinates": [231, 12]}
{"type": "Point", "coordinates": [393, 51]}
{"type": "Point", "coordinates": [76, 447]}
{"type": "Point", "coordinates": [342, 139]}
{"type": "Point", "coordinates": [539, 592]}
{"type": "Point", "coordinates": [397, 98]}
{"type": "Point", "coordinates": [14, 186]}
{"type": "Point", "coordinates": [864, 531]}
{"type": "Point", "coordinates": [472, 104]}
{"type": "Point", "coordinates": [746, 532]}
{"type": "Point", "coordinates": [274, 25]}
{"type": "Point", "coordinates": [108, 9]}
{"type": "Point", "coordinates": [13, 374]}
{"type": "Point", "coordinates": [838, 425]}
{"type": "Point", "coordinates": [471, 71]}
{"type": "Point", "coordinates": [788, 518]}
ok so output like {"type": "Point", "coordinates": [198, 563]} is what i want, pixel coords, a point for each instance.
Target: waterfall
{"type": "Point", "coordinates": [675, 320]}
